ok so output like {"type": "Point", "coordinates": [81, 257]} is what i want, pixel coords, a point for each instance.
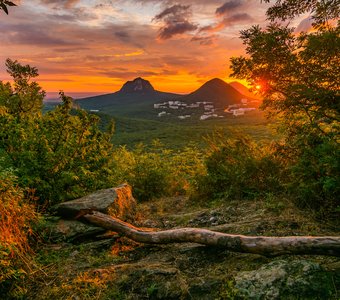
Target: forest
{"type": "Point", "coordinates": [50, 157]}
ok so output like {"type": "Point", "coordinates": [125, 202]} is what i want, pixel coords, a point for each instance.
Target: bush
{"type": "Point", "coordinates": [62, 154]}
{"type": "Point", "coordinates": [16, 219]}
{"type": "Point", "coordinates": [156, 171]}
{"type": "Point", "coordinates": [314, 167]}
{"type": "Point", "coordinates": [238, 169]}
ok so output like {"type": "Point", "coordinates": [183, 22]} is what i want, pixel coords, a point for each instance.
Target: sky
{"type": "Point", "coordinates": [88, 47]}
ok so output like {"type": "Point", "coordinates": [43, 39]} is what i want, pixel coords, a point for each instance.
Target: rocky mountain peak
{"type": "Point", "coordinates": [138, 85]}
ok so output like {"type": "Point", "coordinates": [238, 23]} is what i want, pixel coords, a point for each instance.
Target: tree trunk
{"type": "Point", "coordinates": [268, 246]}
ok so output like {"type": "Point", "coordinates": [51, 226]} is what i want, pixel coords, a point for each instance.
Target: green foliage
{"type": "Point", "coordinates": [228, 291]}
{"type": "Point", "coordinates": [321, 10]}
{"type": "Point", "coordinates": [61, 154]}
{"type": "Point", "coordinates": [176, 134]}
{"type": "Point", "coordinates": [238, 169]}
{"type": "Point", "coordinates": [313, 172]}
{"type": "Point", "coordinates": [24, 97]}
{"type": "Point", "coordinates": [156, 171]}
{"type": "Point", "coordinates": [299, 79]}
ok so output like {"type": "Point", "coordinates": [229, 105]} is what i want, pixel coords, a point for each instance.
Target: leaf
{"type": "Point", "coordinates": [3, 6]}
{"type": "Point", "coordinates": [9, 3]}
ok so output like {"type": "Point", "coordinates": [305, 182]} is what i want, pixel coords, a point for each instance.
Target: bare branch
{"type": "Point", "coordinates": [267, 246]}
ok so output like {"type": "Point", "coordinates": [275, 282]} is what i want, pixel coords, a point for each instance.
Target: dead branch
{"type": "Point", "coordinates": [263, 245]}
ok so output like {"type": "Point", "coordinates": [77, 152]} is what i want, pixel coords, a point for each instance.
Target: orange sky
{"type": "Point", "coordinates": [95, 46]}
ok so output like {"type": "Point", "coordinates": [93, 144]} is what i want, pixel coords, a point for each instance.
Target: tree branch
{"type": "Point", "coordinates": [267, 246]}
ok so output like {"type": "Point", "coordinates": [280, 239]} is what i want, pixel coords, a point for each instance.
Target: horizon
{"type": "Point", "coordinates": [54, 96]}
{"type": "Point", "coordinates": [93, 47]}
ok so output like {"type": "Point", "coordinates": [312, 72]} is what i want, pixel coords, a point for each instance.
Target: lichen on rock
{"type": "Point", "coordinates": [281, 279]}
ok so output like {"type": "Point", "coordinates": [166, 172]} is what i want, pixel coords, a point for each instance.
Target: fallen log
{"type": "Point", "coordinates": [263, 245]}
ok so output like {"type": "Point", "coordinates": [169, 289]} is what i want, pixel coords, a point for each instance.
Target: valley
{"type": "Point", "coordinates": [141, 114]}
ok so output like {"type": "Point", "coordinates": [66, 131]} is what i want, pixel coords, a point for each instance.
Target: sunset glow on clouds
{"type": "Point", "coordinates": [95, 46]}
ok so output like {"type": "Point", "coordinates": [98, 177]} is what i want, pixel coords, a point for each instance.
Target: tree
{"type": "Point", "coordinates": [298, 77]}
{"type": "Point", "coordinates": [61, 154]}
{"type": "Point", "coordinates": [322, 10]}
{"type": "Point", "coordinates": [24, 98]}
{"type": "Point", "coordinates": [4, 5]}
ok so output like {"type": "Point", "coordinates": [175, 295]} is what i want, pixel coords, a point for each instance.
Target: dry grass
{"type": "Point", "coordinates": [16, 219]}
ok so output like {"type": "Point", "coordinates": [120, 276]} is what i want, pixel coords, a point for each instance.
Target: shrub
{"type": "Point", "coordinates": [16, 219]}
{"type": "Point", "coordinates": [62, 154]}
{"type": "Point", "coordinates": [314, 167]}
{"type": "Point", "coordinates": [237, 169]}
{"type": "Point", "coordinates": [155, 172]}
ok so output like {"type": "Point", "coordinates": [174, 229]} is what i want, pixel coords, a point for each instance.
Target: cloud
{"type": "Point", "coordinates": [173, 2]}
{"type": "Point", "coordinates": [60, 3]}
{"type": "Point", "coordinates": [170, 30]}
{"type": "Point", "coordinates": [204, 40]}
{"type": "Point", "coordinates": [179, 11]}
{"type": "Point", "coordinates": [128, 74]}
{"type": "Point", "coordinates": [234, 19]}
{"type": "Point", "coordinates": [30, 34]}
{"type": "Point", "coordinates": [176, 20]}
{"type": "Point", "coordinates": [229, 7]}
{"type": "Point", "coordinates": [80, 43]}
{"type": "Point", "coordinates": [237, 18]}
{"type": "Point", "coordinates": [122, 35]}
{"type": "Point", "coordinates": [231, 13]}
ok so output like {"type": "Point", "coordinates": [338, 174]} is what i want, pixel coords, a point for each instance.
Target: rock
{"type": "Point", "coordinates": [285, 280]}
{"type": "Point", "coordinates": [138, 85]}
{"type": "Point", "coordinates": [99, 245]}
{"type": "Point", "coordinates": [71, 231]}
{"type": "Point", "coordinates": [117, 202]}
{"type": "Point", "coordinates": [207, 218]}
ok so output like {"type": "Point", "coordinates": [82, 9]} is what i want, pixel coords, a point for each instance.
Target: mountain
{"type": "Point", "coordinates": [137, 97]}
{"type": "Point", "coordinates": [138, 85]}
{"type": "Point", "coordinates": [243, 90]}
{"type": "Point", "coordinates": [134, 99]}
{"type": "Point", "coordinates": [216, 91]}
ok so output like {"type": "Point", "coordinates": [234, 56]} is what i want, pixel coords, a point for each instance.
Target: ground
{"type": "Point", "coordinates": [122, 269]}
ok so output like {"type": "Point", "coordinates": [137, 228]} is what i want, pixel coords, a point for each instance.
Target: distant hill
{"type": "Point", "coordinates": [216, 91]}
{"type": "Point", "coordinates": [243, 90]}
{"type": "Point", "coordinates": [134, 99]}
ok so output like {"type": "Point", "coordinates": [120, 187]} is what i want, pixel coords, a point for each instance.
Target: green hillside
{"type": "Point", "coordinates": [129, 105]}
{"type": "Point", "coordinates": [178, 134]}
